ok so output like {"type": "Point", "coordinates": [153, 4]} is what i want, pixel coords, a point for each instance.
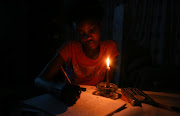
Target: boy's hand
{"type": "Point", "coordinates": [70, 94]}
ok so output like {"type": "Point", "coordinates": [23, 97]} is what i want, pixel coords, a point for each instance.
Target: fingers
{"type": "Point", "coordinates": [70, 94]}
{"type": "Point", "coordinates": [69, 99]}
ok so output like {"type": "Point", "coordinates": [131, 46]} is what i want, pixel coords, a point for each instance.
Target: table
{"type": "Point", "coordinates": [92, 105]}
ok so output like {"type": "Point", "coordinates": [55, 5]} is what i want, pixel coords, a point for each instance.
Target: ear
{"type": "Point", "coordinates": [101, 23]}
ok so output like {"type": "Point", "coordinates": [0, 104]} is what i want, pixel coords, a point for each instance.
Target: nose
{"type": "Point", "coordinates": [87, 37]}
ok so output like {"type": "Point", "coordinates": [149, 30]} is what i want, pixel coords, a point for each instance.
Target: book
{"type": "Point", "coordinates": [87, 105]}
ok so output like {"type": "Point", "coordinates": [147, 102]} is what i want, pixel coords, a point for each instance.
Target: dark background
{"type": "Point", "coordinates": [32, 32]}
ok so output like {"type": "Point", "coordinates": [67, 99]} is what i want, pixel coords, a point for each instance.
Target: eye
{"type": "Point", "coordinates": [92, 30]}
{"type": "Point", "coordinates": [81, 35]}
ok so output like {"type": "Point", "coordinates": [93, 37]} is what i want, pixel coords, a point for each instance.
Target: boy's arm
{"type": "Point", "coordinates": [45, 78]}
{"type": "Point", "coordinates": [68, 93]}
{"type": "Point", "coordinates": [52, 68]}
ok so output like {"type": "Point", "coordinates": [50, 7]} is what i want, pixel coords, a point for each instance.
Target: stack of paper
{"type": "Point", "coordinates": [87, 105]}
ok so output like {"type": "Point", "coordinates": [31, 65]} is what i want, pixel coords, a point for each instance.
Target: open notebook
{"type": "Point", "coordinates": [87, 105]}
{"type": "Point", "coordinates": [145, 110]}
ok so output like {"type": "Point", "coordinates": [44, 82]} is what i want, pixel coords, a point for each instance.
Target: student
{"type": "Point", "coordinates": [85, 59]}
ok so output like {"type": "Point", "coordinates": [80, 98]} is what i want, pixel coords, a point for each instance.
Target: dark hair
{"type": "Point", "coordinates": [87, 9]}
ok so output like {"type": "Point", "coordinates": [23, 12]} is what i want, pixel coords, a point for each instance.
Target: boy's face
{"type": "Point", "coordinates": [89, 33]}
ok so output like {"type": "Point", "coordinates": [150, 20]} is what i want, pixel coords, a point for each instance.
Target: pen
{"type": "Point", "coordinates": [117, 110]}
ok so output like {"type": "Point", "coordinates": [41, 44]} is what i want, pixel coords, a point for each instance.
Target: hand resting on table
{"type": "Point", "coordinates": [70, 93]}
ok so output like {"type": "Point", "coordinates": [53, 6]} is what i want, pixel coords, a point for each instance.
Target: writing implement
{"type": "Point", "coordinates": [67, 78]}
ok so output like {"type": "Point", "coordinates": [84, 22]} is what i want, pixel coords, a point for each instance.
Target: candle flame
{"type": "Point", "coordinates": [107, 62]}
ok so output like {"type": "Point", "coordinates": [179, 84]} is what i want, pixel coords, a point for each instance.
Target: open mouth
{"type": "Point", "coordinates": [90, 43]}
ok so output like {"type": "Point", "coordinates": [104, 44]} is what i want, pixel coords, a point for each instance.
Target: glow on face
{"type": "Point", "coordinates": [89, 33]}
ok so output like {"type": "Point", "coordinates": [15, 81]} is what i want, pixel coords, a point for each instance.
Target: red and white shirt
{"type": "Point", "coordinates": [85, 70]}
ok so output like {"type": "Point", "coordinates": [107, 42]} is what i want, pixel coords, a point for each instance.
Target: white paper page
{"type": "Point", "coordinates": [92, 105]}
{"type": "Point", "coordinates": [87, 105]}
{"type": "Point", "coordinates": [146, 110]}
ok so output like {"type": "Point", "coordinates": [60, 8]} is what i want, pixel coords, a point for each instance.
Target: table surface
{"type": "Point", "coordinates": [168, 99]}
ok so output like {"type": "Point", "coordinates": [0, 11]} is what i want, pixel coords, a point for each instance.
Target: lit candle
{"type": "Point", "coordinates": [107, 73]}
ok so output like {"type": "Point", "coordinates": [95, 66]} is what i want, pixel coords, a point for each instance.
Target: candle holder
{"type": "Point", "coordinates": [109, 91]}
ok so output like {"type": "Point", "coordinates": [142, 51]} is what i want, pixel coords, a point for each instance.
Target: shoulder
{"type": "Point", "coordinates": [108, 43]}
{"type": "Point", "coordinates": [72, 43]}
{"type": "Point", "coordinates": [110, 48]}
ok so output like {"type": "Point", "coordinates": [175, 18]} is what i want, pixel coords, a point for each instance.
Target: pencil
{"type": "Point", "coordinates": [67, 78]}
